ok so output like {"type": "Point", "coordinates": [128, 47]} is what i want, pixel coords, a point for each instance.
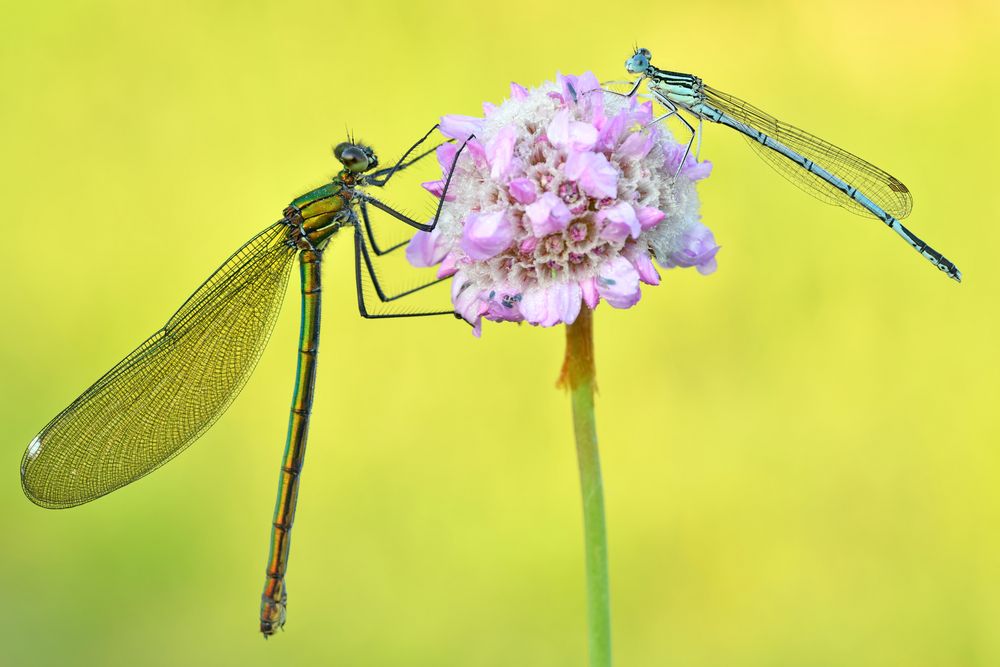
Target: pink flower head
{"type": "Point", "coordinates": [560, 201]}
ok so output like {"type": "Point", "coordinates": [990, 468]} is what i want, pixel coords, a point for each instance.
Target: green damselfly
{"type": "Point", "coordinates": [175, 385]}
{"type": "Point", "coordinates": [818, 167]}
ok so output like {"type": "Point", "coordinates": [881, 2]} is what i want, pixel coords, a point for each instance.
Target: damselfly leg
{"type": "Point", "coordinates": [673, 112]}
{"type": "Point", "coordinates": [366, 266]}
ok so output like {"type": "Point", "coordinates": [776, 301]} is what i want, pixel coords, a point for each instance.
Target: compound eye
{"type": "Point", "coordinates": [352, 157]}
{"type": "Point", "coordinates": [639, 62]}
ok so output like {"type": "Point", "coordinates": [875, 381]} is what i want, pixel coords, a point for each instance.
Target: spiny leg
{"type": "Point", "coordinates": [687, 149]}
{"type": "Point", "coordinates": [362, 256]}
{"type": "Point", "coordinates": [674, 112]}
{"type": "Point", "coordinates": [365, 197]}
{"type": "Point", "coordinates": [363, 262]}
{"type": "Point", "coordinates": [363, 205]}
{"type": "Point", "coordinates": [381, 177]}
{"type": "Point", "coordinates": [697, 151]}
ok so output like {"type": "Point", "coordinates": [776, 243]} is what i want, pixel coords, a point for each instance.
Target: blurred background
{"type": "Point", "coordinates": [800, 451]}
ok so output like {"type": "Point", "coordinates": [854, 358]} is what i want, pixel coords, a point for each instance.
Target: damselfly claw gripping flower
{"type": "Point", "coordinates": [559, 200]}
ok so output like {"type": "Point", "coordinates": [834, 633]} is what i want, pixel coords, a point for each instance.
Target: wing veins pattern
{"type": "Point", "coordinates": [171, 388]}
{"type": "Point", "coordinates": [882, 188]}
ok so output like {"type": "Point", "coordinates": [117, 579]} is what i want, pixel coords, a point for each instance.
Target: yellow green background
{"type": "Point", "coordinates": [800, 451]}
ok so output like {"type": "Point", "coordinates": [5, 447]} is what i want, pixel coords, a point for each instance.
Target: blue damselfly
{"type": "Point", "coordinates": [818, 167]}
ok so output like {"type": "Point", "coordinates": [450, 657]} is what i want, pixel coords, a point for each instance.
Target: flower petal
{"type": "Point", "coordinates": [642, 114]}
{"type": "Point", "coordinates": [692, 169]}
{"type": "Point", "coordinates": [591, 297]}
{"type": "Point", "coordinates": [709, 266]}
{"type": "Point", "coordinates": [618, 283]}
{"type": "Point", "coordinates": [619, 222]}
{"type": "Point", "coordinates": [500, 152]}
{"type": "Point", "coordinates": [636, 145]}
{"type": "Point", "coordinates": [436, 188]}
{"type": "Point", "coordinates": [446, 156]}
{"type": "Point", "coordinates": [567, 84]}
{"type": "Point", "coordinates": [649, 217]}
{"type": "Point", "coordinates": [574, 88]}
{"type": "Point", "coordinates": [572, 134]}
{"type": "Point", "coordinates": [558, 129]}
{"type": "Point", "coordinates": [571, 301]}
{"type": "Point", "coordinates": [697, 170]}
{"type": "Point", "coordinates": [548, 306]}
{"type": "Point", "coordinates": [697, 248]}
{"type": "Point", "coordinates": [485, 235]}
{"type": "Point", "coordinates": [426, 248]}
{"type": "Point", "coordinates": [449, 265]}
{"type": "Point", "coordinates": [477, 151]}
{"type": "Point", "coordinates": [534, 305]}
{"type": "Point", "coordinates": [638, 254]}
{"type": "Point", "coordinates": [547, 215]}
{"type": "Point", "coordinates": [611, 132]}
{"type": "Point", "coordinates": [457, 126]}
{"type": "Point", "coordinates": [594, 174]}
{"type": "Point", "coordinates": [504, 303]}
{"type": "Point", "coordinates": [587, 82]}
{"type": "Point", "coordinates": [517, 91]}
{"type": "Point", "coordinates": [523, 190]}
{"type": "Point", "coordinates": [465, 299]}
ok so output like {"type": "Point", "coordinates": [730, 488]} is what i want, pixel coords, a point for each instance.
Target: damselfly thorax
{"type": "Point", "coordinates": [684, 90]}
{"type": "Point", "coordinates": [317, 215]}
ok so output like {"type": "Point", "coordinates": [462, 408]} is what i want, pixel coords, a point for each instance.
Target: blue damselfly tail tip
{"type": "Point", "coordinates": [957, 276]}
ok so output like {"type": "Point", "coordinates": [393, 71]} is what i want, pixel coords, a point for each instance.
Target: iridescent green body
{"type": "Point", "coordinates": [168, 391]}
{"type": "Point", "coordinates": [322, 208]}
{"type": "Point", "coordinates": [327, 198]}
{"type": "Point", "coordinates": [313, 218]}
{"type": "Point", "coordinates": [272, 610]}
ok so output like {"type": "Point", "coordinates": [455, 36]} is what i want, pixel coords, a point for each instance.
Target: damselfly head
{"type": "Point", "coordinates": [355, 157]}
{"type": "Point", "coordinates": [639, 62]}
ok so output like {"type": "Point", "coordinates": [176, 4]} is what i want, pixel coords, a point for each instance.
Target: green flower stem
{"type": "Point", "coordinates": [578, 377]}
